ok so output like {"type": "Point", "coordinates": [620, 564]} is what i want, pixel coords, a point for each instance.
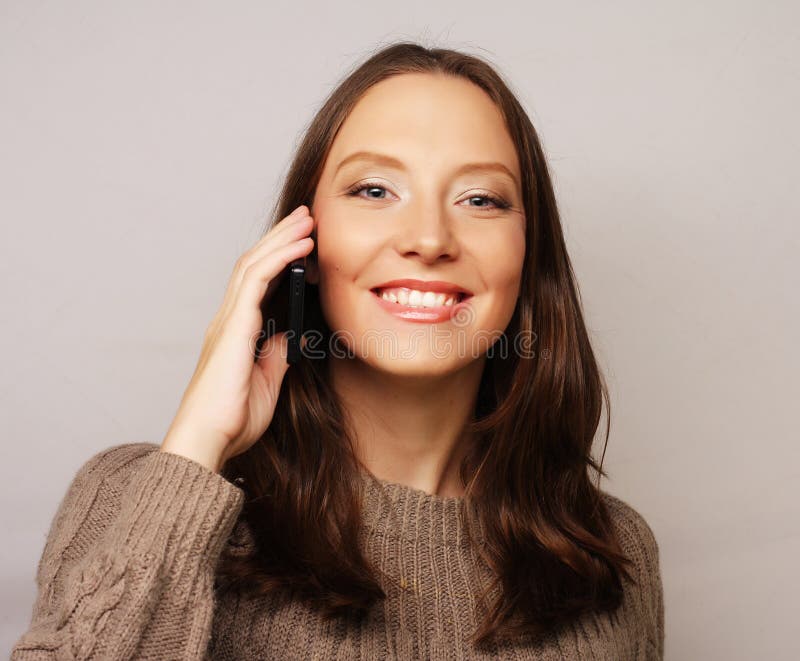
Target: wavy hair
{"type": "Point", "coordinates": [549, 537]}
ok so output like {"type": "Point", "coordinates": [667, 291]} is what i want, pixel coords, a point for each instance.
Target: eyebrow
{"type": "Point", "coordinates": [392, 162]}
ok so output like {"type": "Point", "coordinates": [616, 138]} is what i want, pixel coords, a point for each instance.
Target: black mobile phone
{"type": "Point", "coordinates": [297, 286]}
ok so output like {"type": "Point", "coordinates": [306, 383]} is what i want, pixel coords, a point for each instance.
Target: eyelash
{"type": "Point", "coordinates": [499, 202]}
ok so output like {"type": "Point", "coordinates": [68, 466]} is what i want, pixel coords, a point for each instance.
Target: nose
{"type": "Point", "coordinates": [426, 232]}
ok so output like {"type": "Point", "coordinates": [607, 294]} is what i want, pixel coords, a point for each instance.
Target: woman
{"type": "Point", "coordinates": [423, 496]}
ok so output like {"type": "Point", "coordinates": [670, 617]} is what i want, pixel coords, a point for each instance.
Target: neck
{"type": "Point", "coordinates": [409, 430]}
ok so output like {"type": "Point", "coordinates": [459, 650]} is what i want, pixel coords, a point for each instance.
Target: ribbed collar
{"type": "Point", "coordinates": [417, 517]}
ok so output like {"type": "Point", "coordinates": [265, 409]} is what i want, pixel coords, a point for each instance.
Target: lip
{"type": "Point", "coordinates": [420, 315]}
{"type": "Point", "coordinates": [439, 286]}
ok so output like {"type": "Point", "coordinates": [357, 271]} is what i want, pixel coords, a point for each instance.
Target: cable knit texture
{"type": "Point", "coordinates": [128, 568]}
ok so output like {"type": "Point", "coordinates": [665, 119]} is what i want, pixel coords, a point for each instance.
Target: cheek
{"type": "Point", "coordinates": [331, 246]}
{"type": "Point", "coordinates": [346, 245]}
{"type": "Point", "coordinates": [340, 260]}
{"type": "Point", "coordinates": [501, 254]}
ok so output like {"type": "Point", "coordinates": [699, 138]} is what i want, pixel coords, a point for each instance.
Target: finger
{"type": "Point", "coordinates": [272, 357]}
{"type": "Point", "coordinates": [288, 234]}
{"type": "Point", "coordinates": [258, 276]}
{"type": "Point", "coordinates": [300, 213]}
{"type": "Point", "coordinates": [275, 235]}
{"type": "Point", "coordinates": [271, 235]}
{"type": "Point", "coordinates": [246, 304]}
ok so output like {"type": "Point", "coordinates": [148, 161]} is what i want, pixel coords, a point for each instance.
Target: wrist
{"type": "Point", "coordinates": [204, 454]}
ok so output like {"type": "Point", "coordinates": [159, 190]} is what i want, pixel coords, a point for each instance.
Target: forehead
{"type": "Point", "coordinates": [424, 118]}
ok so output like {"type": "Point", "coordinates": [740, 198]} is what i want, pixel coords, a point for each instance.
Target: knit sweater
{"type": "Point", "coordinates": [128, 567]}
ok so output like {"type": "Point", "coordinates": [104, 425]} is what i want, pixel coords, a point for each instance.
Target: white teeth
{"type": "Point", "coordinates": [418, 299]}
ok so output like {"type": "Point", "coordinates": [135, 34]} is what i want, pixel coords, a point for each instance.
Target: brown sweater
{"type": "Point", "coordinates": [127, 572]}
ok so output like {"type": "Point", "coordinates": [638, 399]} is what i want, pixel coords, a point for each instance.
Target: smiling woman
{"type": "Point", "coordinates": [432, 499]}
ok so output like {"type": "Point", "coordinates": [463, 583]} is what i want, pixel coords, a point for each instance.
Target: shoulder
{"type": "Point", "coordinates": [633, 531]}
{"type": "Point", "coordinates": [636, 537]}
{"type": "Point", "coordinates": [646, 597]}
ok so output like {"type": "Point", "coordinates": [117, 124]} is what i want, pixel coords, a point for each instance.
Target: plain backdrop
{"type": "Point", "coordinates": [142, 145]}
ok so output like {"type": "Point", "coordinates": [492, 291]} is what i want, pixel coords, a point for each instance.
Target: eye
{"type": "Point", "coordinates": [368, 186]}
{"type": "Point", "coordinates": [497, 202]}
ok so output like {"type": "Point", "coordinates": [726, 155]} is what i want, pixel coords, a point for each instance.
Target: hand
{"type": "Point", "coordinates": [230, 400]}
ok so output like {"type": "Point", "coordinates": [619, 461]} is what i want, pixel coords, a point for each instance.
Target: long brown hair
{"type": "Point", "coordinates": [549, 537]}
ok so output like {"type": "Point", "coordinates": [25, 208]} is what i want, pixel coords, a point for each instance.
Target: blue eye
{"type": "Point", "coordinates": [353, 192]}
{"type": "Point", "coordinates": [498, 202]}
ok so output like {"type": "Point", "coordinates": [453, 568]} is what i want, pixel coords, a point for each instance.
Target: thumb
{"type": "Point", "coordinates": [272, 357]}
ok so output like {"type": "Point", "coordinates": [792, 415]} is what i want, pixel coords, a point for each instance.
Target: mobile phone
{"type": "Point", "coordinates": [297, 286]}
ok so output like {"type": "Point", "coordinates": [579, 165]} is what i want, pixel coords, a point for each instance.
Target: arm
{"type": "Point", "coordinates": [128, 566]}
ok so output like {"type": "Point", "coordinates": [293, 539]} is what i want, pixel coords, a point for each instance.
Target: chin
{"type": "Point", "coordinates": [421, 367]}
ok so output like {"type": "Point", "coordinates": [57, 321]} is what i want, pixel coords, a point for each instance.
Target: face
{"type": "Point", "coordinates": [401, 199]}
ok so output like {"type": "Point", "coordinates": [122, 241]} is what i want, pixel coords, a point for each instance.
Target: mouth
{"type": "Point", "coordinates": [421, 298]}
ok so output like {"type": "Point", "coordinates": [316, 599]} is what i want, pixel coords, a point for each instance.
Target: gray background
{"type": "Point", "coordinates": [143, 143]}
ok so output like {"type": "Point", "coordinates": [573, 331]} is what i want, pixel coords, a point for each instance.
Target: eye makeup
{"type": "Point", "coordinates": [498, 202]}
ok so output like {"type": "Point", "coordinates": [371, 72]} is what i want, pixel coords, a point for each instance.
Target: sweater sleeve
{"type": "Point", "coordinates": [128, 566]}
